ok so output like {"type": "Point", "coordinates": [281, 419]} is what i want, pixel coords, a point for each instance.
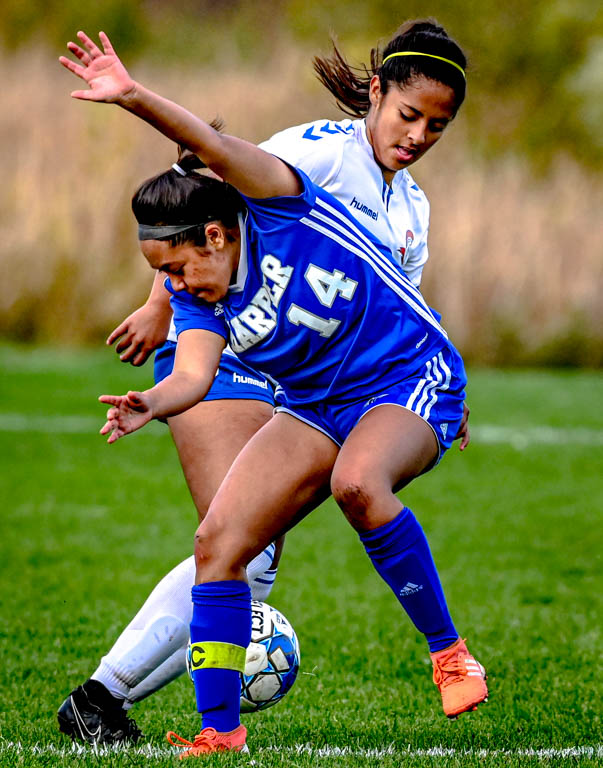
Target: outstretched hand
{"type": "Point", "coordinates": [103, 71]}
{"type": "Point", "coordinates": [140, 334]}
{"type": "Point", "coordinates": [129, 413]}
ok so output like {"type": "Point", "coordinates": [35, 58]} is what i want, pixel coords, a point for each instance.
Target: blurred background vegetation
{"type": "Point", "coordinates": [516, 185]}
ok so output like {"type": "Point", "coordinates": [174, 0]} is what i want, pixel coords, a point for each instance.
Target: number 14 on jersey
{"type": "Point", "coordinates": [327, 286]}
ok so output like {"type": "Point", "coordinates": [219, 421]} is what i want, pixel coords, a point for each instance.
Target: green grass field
{"type": "Point", "coordinates": [514, 524]}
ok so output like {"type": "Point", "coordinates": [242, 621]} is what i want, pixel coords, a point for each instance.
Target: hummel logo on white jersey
{"type": "Point", "coordinates": [364, 209]}
{"type": "Point", "coordinates": [410, 589]}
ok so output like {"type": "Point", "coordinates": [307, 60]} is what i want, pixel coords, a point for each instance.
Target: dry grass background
{"type": "Point", "coordinates": [516, 260]}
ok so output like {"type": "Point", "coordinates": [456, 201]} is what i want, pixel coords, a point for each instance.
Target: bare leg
{"type": "Point", "coordinates": [150, 652]}
{"type": "Point", "coordinates": [387, 449]}
{"type": "Point", "coordinates": [279, 473]}
{"type": "Point", "coordinates": [209, 437]}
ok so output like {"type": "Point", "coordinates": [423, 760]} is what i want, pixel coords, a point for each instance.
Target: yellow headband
{"type": "Point", "coordinates": [431, 56]}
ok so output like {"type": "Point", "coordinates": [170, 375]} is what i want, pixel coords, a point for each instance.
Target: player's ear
{"type": "Point", "coordinates": [215, 235]}
{"type": "Point", "coordinates": [375, 94]}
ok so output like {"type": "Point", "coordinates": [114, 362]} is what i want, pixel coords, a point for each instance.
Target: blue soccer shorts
{"type": "Point", "coordinates": [435, 393]}
{"type": "Point", "coordinates": [234, 380]}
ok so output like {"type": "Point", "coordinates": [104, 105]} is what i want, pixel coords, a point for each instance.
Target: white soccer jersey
{"type": "Point", "coordinates": [339, 158]}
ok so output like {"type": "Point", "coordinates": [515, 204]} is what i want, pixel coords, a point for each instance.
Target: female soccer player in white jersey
{"type": "Point", "coordinates": [298, 287]}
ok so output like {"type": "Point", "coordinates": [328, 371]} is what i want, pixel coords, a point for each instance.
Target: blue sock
{"type": "Point", "coordinates": [220, 634]}
{"type": "Point", "coordinates": [401, 555]}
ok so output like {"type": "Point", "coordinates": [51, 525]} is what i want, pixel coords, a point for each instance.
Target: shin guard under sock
{"type": "Point", "coordinates": [220, 634]}
{"type": "Point", "coordinates": [401, 555]}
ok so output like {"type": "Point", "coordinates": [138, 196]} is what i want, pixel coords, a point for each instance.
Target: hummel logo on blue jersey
{"type": "Point", "coordinates": [423, 340]}
{"type": "Point", "coordinates": [374, 399]}
{"type": "Point", "coordinates": [238, 379]}
{"type": "Point", "coordinates": [364, 209]}
{"type": "Point", "coordinates": [218, 310]}
{"type": "Point", "coordinates": [410, 589]}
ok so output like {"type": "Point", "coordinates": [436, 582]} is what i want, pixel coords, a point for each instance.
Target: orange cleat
{"type": "Point", "coordinates": [460, 679]}
{"type": "Point", "coordinates": [210, 740]}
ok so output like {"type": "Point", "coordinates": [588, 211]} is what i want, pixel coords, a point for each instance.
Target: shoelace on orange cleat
{"type": "Point", "coordinates": [450, 663]}
{"type": "Point", "coordinates": [179, 741]}
{"type": "Point", "coordinates": [201, 740]}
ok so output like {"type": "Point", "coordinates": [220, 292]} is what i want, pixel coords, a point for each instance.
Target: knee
{"type": "Point", "coordinates": [355, 496]}
{"type": "Point", "coordinates": [204, 546]}
{"type": "Point", "coordinates": [219, 553]}
{"type": "Point", "coordinates": [210, 546]}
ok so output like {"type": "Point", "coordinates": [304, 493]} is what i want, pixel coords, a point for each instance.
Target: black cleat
{"type": "Point", "coordinates": [90, 714]}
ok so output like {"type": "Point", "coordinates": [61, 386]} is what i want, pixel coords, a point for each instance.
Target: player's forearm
{"type": "Point", "coordinates": [177, 393]}
{"type": "Point", "coordinates": [175, 122]}
{"type": "Point", "coordinates": [159, 297]}
{"type": "Point", "coordinates": [252, 171]}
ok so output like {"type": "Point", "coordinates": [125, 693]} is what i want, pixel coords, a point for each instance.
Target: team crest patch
{"type": "Point", "coordinates": [409, 241]}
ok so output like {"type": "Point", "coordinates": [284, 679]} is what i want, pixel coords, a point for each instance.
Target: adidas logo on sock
{"type": "Point", "coordinates": [410, 589]}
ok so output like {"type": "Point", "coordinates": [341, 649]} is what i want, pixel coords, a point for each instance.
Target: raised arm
{"type": "Point", "coordinates": [252, 171]}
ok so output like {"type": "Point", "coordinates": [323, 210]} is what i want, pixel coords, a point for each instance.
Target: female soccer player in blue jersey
{"type": "Point", "coordinates": [350, 159]}
{"type": "Point", "coordinates": [298, 288]}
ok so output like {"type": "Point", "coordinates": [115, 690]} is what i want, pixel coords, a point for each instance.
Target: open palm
{"type": "Point", "coordinates": [103, 71]}
{"type": "Point", "coordinates": [129, 413]}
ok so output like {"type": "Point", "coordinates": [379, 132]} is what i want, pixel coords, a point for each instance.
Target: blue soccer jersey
{"type": "Point", "coordinates": [319, 304]}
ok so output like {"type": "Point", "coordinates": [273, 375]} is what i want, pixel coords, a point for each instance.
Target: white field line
{"type": "Point", "coordinates": [518, 437]}
{"type": "Point", "coordinates": [521, 437]}
{"type": "Point", "coordinates": [56, 425]}
{"type": "Point", "coordinates": [148, 750]}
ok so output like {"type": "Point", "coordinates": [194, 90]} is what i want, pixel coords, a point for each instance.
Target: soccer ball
{"type": "Point", "coordinates": [272, 659]}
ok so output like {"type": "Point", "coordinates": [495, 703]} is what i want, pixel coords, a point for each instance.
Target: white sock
{"type": "Point", "coordinates": [159, 628]}
{"type": "Point", "coordinates": [260, 575]}
{"type": "Point", "coordinates": [171, 668]}
{"type": "Point", "coordinates": [151, 651]}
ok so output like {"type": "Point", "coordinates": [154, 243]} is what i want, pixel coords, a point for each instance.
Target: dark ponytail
{"type": "Point", "coordinates": [350, 85]}
{"type": "Point", "coordinates": [171, 198]}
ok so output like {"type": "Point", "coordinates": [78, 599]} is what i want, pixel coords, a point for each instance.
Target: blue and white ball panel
{"type": "Point", "coordinates": [234, 380]}
{"type": "Point", "coordinates": [436, 394]}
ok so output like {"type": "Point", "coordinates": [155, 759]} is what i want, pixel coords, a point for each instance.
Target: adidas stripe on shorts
{"type": "Point", "coordinates": [436, 393]}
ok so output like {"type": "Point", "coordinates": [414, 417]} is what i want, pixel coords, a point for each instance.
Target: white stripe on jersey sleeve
{"type": "Point", "coordinates": [360, 238]}
{"type": "Point", "coordinates": [392, 283]}
{"type": "Point", "coordinates": [386, 271]}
